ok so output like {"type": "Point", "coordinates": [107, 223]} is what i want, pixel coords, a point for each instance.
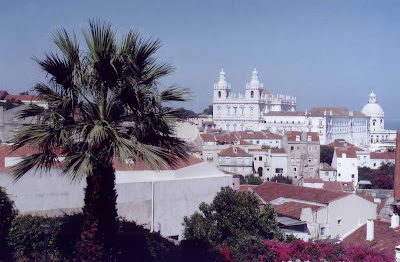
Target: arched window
{"type": "Point", "coordinates": [219, 94]}
{"type": "Point", "coordinates": [252, 94]}
{"type": "Point", "coordinates": [373, 122]}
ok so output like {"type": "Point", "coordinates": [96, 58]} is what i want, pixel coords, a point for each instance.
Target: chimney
{"type": "Point", "coordinates": [397, 249]}
{"type": "Point", "coordinates": [246, 149]}
{"type": "Point", "coordinates": [397, 170]}
{"type": "Point", "coordinates": [394, 221]}
{"type": "Point", "coordinates": [370, 229]}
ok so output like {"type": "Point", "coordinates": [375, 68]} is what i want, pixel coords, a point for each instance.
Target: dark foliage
{"type": "Point", "coordinates": [388, 168]}
{"type": "Point", "coordinates": [7, 214]}
{"type": "Point", "coordinates": [229, 217]}
{"type": "Point", "coordinates": [11, 103]}
{"type": "Point", "coordinates": [326, 154]}
{"type": "Point", "coordinates": [209, 110]}
{"type": "Point", "coordinates": [281, 179]}
{"type": "Point", "coordinates": [187, 113]}
{"type": "Point", "coordinates": [364, 173]}
{"type": "Point", "coordinates": [254, 180]}
{"type": "Point", "coordinates": [381, 180]}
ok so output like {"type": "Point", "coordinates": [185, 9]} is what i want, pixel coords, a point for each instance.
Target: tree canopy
{"type": "Point", "coordinates": [209, 110]}
{"type": "Point", "coordinates": [326, 154]}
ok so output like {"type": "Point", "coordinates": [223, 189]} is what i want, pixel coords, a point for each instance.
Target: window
{"type": "Point", "coordinates": [339, 164]}
{"type": "Point", "coordinates": [292, 160]}
{"type": "Point", "coordinates": [298, 148]}
{"type": "Point", "coordinates": [297, 138]}
{"type": "Point", "coordinates": [339, 222]}
{"type": "Point", "coordinates": [252, 94]}
{"type": "Point", "coordinates": [291, 148]}
{"type": "Point", "coordinates": [219, 94]}
{"type": "Point", "coordinates": [352, 176]}
{"type": "Point", "coordinates": [255, 158]}
{"type": "Point", "coordinates": [308, 138]}
{"type": "Point", "coordinates": [295, 169]}
{"type": "Point", "coordinates": [315, 160]}
{"type": "Point", "coordinates": [295, 177]}
{"type": "Point", "coordinates": [374, 164]}
{"type": "Point", "coordinates": [322, 231]}
{"type": "Point", "coordinates": [311, 169]}
{"type": "Point", "coordinates": [278, 170]}
{"type": "Point", "coordinates": [260, 158]}
{"type": "Point", "coordinates": [309, 160]}
{"type": "Point", "coordinates": [298, 160]}
{"type": "Point", "coordinates": [339, 174]}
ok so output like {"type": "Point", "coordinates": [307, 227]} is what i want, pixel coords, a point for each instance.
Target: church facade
{"type": "Point", "coordinates": [238, 112]}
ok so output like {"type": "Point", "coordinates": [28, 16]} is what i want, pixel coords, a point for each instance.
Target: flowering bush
{"type": "Point", "coordinates": [309, 251]}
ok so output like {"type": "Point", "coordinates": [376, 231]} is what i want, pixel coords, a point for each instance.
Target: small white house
{"type": "Point", "coordinates": [346, 164]}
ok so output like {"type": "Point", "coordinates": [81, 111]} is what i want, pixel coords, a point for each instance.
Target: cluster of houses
{"type": "Point", "coordinates": [321, 204]}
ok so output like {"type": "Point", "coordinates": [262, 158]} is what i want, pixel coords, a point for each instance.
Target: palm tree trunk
{"type": "Point", "coordinates": [100, 216]}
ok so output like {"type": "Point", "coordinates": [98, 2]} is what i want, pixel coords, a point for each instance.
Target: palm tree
{"type": "Point", "coordinates": [103, 106]}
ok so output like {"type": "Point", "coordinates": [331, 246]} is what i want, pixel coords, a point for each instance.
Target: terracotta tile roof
{"type": "Point", "coordinates": [208, 123]}
{"type": "Point", "coordinates": [242, 142]}
{"type": "Point", "coordinates": [347, 186]}
{"type": "Point", "coordinates": [385, 238]}
{"type": "Point", "coordinates": [278, 151]}
{"type": "Point", "coordinates": [336, 111]}
{"type": "Point", "coordinates": [246, 188]}
{"type": "Point", "coordinates": [383, 155]}
{"type": "Point", "coordinates": [226, 138]}
{"type": "Point", "coordinates": [265, 92]}
{"type": "Point", "coordinates": [251, 134]}
{"type": "Point", "coordinates": [327, 167]}
{"type": "Point", "coordinates": [350, 153]}
{"type": "Point", "coordinates": [5, 151]}
{"type": "Point", "coordinates": [271, 191]}
{"type": "Point", "coordinates": [208, 137]}
{"type": "Point", "coordinates": [291, 135]}
{"type": "Point", "coordinates": [293, 209]}
{"type": "Point", "coordinates": [195, 149]}
{"type": "Point", "coordinates": [313, 180]}
{"type": "Point", "coordinates": [3, 94]}
{"type": "Point", "coordinates": [259, 149]}
{"type": "Point", "coordinates": [285, 113]}
{"type": "Point", "coordinates": [23, 97]}
{"type": "Point", "coordinates": [273, 136]}
{"type": "Point", "coordinates": [234, 151]}
{"type": "Point", "coordinates": [339, 186]}
{"type": "Point", "coordinates": [342, 143]}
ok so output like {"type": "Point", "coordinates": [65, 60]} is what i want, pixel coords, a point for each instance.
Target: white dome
{"type": "Point", "coordinates": [372, 108]}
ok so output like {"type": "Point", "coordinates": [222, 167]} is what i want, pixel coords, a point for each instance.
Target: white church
{"type": "Point", "coordinates": [257, 110]}
{"type": "Point", "coordinates": [237, 112]}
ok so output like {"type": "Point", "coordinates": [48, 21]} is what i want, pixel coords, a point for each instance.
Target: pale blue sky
{"type": "Point", "coordinates": [327, 53]}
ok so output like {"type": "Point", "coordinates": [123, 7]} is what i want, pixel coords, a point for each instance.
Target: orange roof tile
{"type": "Point", "coordinates": [208, 137]}
{"type": "Point", "coordinates": [249, 134]}
{"type": "Point", "coordinates": [350, 153]}
{"type": "Point", "coordinates": [383, 155]}
{"type": "Point", "coordinates": [270, 191]}
{"type": "Point", "coordinates": [385, 238]}
{"type": "Point", "coordinates": [234, 151]}
{"type": "Point", "coordinates": [291, 135]}
{"type": "Point", "coordinates": [293, 209]}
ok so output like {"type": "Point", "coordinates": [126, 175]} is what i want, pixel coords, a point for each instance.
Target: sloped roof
{"type": "Point", "coordinates": [208, 137]}
{"type": "Point", "coordinates": [234, 151]}
{"type": "Point", "coordinates": [23, 97]}
{"type": "Point", "coordinates": [278, 151]}
{"type": "Point", "coordinates": [338, 186]}
{"type": "Point", "coordinates": [350, 153]}
{"type": "Point", "coordinates": [273, 136]}
{"type": "Point", "coordinates": [291, 135]}
{"type": "Point", "coordinates": [226, 138]}
{"type": "Point", "coordinates": [385, 238]}
{"type": "Point", "coordinates": [342, 143]}
{"type": "Point", "coordinates": [285, 113]}
{"type": "Point", "coordinates": [293, 209]}
{"type": "Point", "coordinates": [313, 180]}
{"type": "Point", "coordinates": [208, 123]}
{"type": "Point", "coordinates": [3, 94]}
{"type": "Point", "coordinates": [336, 111]}
{"type": "Point", "coordinates": [5, 151]}
{"type": "Point", "coordinates": [249, 134]}
{"type": "Point", "coordinates": [242, 142]}
{"type": "Point", "coordinates": [270, 191]}
{"type": "Point", "coordinates": [383, 155]}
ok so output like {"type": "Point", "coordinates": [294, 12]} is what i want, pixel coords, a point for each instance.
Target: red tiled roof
{"type": "Point", "coordinates": [208, 137]}
{"type": "Point", "coordinates": [234, 151]}
{"type": "Point", "coordinates": [195, 149]}
{"type": "Point", "coordinates": [208, 123]}
{"type": "Point", "coordinates": [266, 92]}
{"type": "Point", "coordinates": [341, 144]}
{"type": "Point", "coordinates": [3, 94]}
{"type": "Point", "coordinates": [293, 209]}
{"type": "Point", "coordinates": [339, 186]}
{"type": "Point", "coordinates": [23, 97]}
{"type": "Point", "coordinates": [285, 113]}
{"type": "Point", "coordinates": [385, 238]}
{"type": "Point", "coordinates": [383, 155]}
{"type": "Point", "coordinates": [271, 191]}
{"type": "Point", "coordinates": [251, 134]}
{"type": "Point", "coordinates": [350, 153]}
{"type": "Point", "coordinates": [313, 180]}
{"type": "Point", "coordinates": [278, 151]}
{"type": "Point", "coordinates": [336, 111]}
{"type": "Point", "coordinates": [242, 142]}
{"type": "Point", "coordinates": [273, 136]}
{"type": "Point", "coordinates": [5, 151]}
{"type": "Point", "coordinates": [291, 135]}
{"type": "Point", "coordinates": [246, 188]}
{"type": "Point", "coordinates": [226, 138]}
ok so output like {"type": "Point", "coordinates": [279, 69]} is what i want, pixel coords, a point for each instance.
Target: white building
{"type": "Point", "coordinates": [327, 213]}
{"type": "Point", "coordinates": [346, 163]}
{"type": "Point", "coordinates": [242, 112]}
{"type": "Point", "coordinates": [236, 160]}
{"type": "Point", "coordinates": [157, 199]}
{"type": "Point", "coordinates": [374, 111]}
{"type": "Point", "coordinates": [269, 162]}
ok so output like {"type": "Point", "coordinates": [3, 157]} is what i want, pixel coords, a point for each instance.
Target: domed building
{"type": "Point", "coordinates": [374, 111]}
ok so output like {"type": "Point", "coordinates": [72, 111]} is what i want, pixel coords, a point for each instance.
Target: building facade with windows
{"type": "Point", "coordinates": [238, 112]}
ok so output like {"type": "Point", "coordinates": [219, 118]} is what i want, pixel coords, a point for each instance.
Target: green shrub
{"type": "Point", "coordinates": [254, 180]}
{"type": "Point", "coordinates": [281, 179]}
{"type": "Point", "coordinates": [7, 214]}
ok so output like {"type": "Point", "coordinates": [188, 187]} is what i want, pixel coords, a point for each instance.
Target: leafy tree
{"type": "Point", "coordinates": [281, 179]}
{"type": "Point", "coordinates": [229, 217]}
{"type": "Point", "coordinates": [364, 173]}
{"type": "Point", "coordinates": [254, 180]}
{"type": "Point", "coordinates": [380, 179]}
{"type": "Point", "coordinates": [209, 110]}
{"type": "Point", "coordinates": [187, 113]}
{"type": "Point", "coordinates": [7, 215]}
{"type": "Point", "coordinates": [388, 168]}
{"type": "Point", "coordinates": [24, 93]}
{"type": "Point", "coordinates": [91, 94]}
{"type": "Point", "coordinates": [326, 154]}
